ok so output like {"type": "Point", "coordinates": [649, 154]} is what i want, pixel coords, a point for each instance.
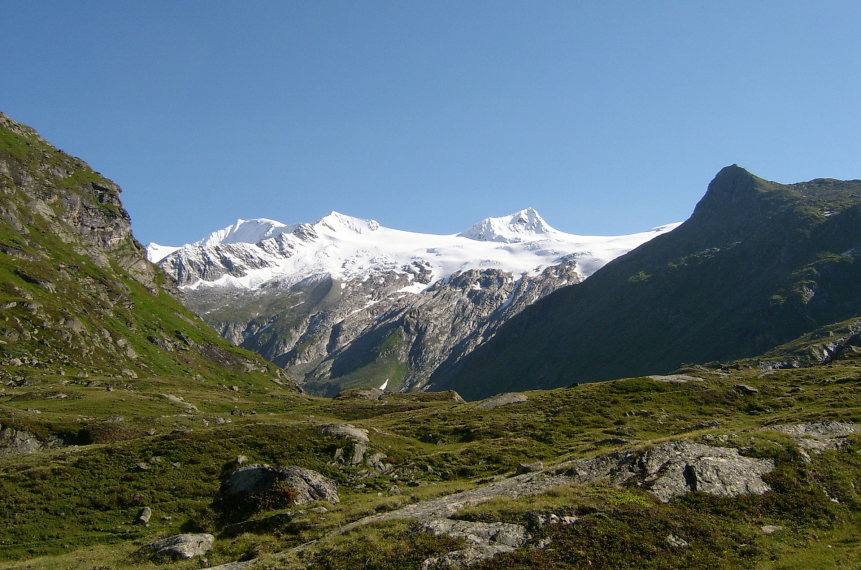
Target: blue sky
{"type": "Point", "coordinates": [608, 117]}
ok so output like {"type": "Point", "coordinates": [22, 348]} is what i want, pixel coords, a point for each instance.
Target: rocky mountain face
{"type": "Point", "coordinates": [756, 265]}
{"type": "Point", "coordinates": [346, 302]}
{"type": "Point", "coordinates": [79, 297]}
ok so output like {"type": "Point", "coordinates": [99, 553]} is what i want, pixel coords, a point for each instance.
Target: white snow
{"type": "Point", "coordinates": [384, 384]}
{"type": "Point", "coordinates": [246, 231]}
{"type": "Point", "coordinates": [348, 248]}
{"type": "Point", "coordinates": [156, 252]}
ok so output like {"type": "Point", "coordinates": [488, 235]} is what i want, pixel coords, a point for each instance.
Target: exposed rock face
{"type": "Point", "coordinates": [487, 540]}
{"type": "Point", "coordinates": [501, 400]}
{"type": "Point", "coordinates": [333, 329]}
{"type": "Point", "coordinates": [181, 546]}
{"type": "Point", "coordinates": [675, 468]}
{"type": "Point", "coordinates": [83, 208]}
{"type": "Point", "coordinates": [256, 479]}
{"type": "Point", "coordinates": [16, 442]}
{"type": "Point", "coordinates": [819, 436]}
{"type": "Point", "coordinates": [81, 297]}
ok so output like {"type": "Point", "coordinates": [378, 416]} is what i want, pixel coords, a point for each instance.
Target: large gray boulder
{"type": "Point", "coordinates": [346, 431]}
{"type": "Point", "coordinates": [255, 479]}
{"type": "Point", "coordinates": [674, 468]}
{"type": "Point", "coordinates": [181, 546]}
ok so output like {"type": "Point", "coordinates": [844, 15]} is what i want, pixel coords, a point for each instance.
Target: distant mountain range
{"type": "Point", "coordinates": [346, 302]}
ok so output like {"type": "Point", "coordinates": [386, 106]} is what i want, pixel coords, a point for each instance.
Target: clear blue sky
{"type": "Point", "coordinates": [608, 117]}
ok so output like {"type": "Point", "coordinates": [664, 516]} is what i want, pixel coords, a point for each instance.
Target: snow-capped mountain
{"type": "Point", "coordinates": [251, 253]}
{"type": "Point", "coordinates": [525, 225]}
{"type": "Point", "coordinates": [344, 300]}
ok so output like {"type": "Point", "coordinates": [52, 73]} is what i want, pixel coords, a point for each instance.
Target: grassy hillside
{"type": "Point", "coordinates": [756, 265]}
{"type": "Point", "coordinates": [79, 300]}
{"type": "Point", "coordinates": [74, 506]}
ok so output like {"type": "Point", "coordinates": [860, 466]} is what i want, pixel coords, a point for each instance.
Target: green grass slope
{"type": "Point", "coordinates": [79, 300]}
{"type": "Point", "coordinates": [756, 265]}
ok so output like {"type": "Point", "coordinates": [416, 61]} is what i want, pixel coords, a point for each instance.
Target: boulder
{"type": "Point", "coordinates": [501, 400]}
{"type": "Point", "coordinates": [346, 431]}
{"type": "Point", "coordinates": [746, 389]}
{"type": "Point", "coordinates": [181, 546]}
{"type": "Point", "coordinates": [144, 516]}
{"type": "Point", "coordinates": [255, 479]}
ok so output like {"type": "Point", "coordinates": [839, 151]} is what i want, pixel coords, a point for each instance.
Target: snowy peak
{"type": "Point", "coordinates": [525, 225]}
{"type": "Point", "coordinates": [340, 223]}
{"type": "Point", "coordinates": [245, 231]}
{"type": "Point", "coordinates": [156, 252]}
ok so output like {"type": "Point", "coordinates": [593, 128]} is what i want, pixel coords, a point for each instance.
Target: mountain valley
{"type": "Point", "coordinates": [133, 436]}
{"type": "Point", "coordinates": [347, 303]}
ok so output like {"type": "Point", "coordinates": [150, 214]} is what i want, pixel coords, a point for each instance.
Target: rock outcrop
{"type": "Point", "coordinates": [501, 400]}
{"type": "Point", "coordinates": [180, 546]}
{"type": "Point", "coordinates": [675, 468]}
{"type": "Point", "coordinates": [308, 485]}
{"type": "Point", "coordinates": [16, 442]}
{"type": "Point", "coordinates": [819, 436]}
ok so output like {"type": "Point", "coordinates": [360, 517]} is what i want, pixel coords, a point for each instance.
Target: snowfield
{"type": "Point", "coordinates": [251, 253]}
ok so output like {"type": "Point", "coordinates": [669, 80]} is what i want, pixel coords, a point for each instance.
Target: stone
{"type": "Point", "coordinates": [346, 431]}
{"type": "Point", "coordinates": [676, 542]}
{"type": "Point", "coordinates": [310, 486]}
{"type": "Point", "coordinates": [820, 436]}
{"type": "Point", "coordinates": [486, 540]}
{"type": "Point", "coordinates": [241, 460]}
{"type": "Point", "coordinates": [512, 535]}
{"type": "Point", "coordinates": [377, 462]}
{"type": "Point", "coordinates": [181, 546]}
{"type": "Point", "coordinates": [465, 557]}
{"type": "Point", "coordinates": [674, 468]}
{"type": "Point", "coordinates": [501, 400]}
{"type": "Point", "coordinates": [144, 516]}
{"type": "Point", "coordinates": [358, 455]}
{"type": "Point", "coordinates": [746, 389]}
{"type": "Point", "coordinates": [17, 442]}
{"type": "Point", "coordinates": [771, 528]}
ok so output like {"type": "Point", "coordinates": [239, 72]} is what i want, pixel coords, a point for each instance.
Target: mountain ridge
{"type": "Point", "coordinates": [757, 264]}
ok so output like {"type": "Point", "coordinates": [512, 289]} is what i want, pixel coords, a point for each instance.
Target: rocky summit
{"type": "Point", "coordinates": [133, 436]}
